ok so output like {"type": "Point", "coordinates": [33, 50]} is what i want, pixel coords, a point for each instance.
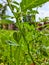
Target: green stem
{"type": "Point", "coordinates": [28, 48]}
{"type": "Point", "coordinates": [11, 54]}
{"type": "Point", "coordinates": [29, 52]}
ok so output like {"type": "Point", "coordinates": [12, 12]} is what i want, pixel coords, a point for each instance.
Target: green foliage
{"type": "Point", "coordinates": [0, 5]}
{"type": "Point", "coordinates": [17, 36]}
{"type": "Point", "coordinates": [29, 4]}
{"type": "Point", "coordinates": [25, 46]}
{"type": "Point", "coordinates": [4, 21]}
{"type": "Point", "coordinates": [23, 7]}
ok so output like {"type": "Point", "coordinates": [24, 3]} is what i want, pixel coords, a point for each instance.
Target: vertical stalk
{"type": "Point", "coordinates": [10, 55]}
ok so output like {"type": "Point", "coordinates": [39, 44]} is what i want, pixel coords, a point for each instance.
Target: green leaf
{"type": "Point", "coordinates": [17, 36]}
{"type": "Point", "coordinates": [0, 5]}
{"type": "Point", "coordinates": [43, 51]}
{"type": "Point", "coordinates": [4, 21]}
{"type": "Point", "coordinates": [29, 4]}
{"type": "Point", "coordinates": [7, 16]}
{"type": "Point", "coordinates": [9, 42]}
{"type": "Point", "coordinates": [13, 6]}
{"type": "Point", "coordinates": [16, 3]}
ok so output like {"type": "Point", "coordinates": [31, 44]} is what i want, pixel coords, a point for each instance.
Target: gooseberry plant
{"type": "Point", "coordinates": [34, 41]}
{"type": "Point", "coordinates": [27, 46]}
